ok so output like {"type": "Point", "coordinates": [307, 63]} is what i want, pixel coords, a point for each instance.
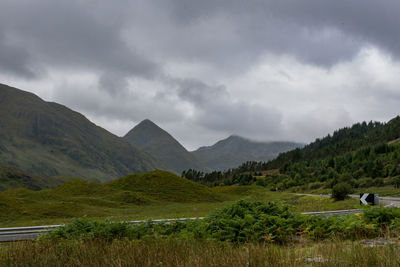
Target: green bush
{"type": "Point", "coordinates": [341, 191]}
{"type": "Point", "coordinates": [343, 227]}
{"type": "Point", "coordinates": [382, 217]}
{"type": "Point", "coordinates": [247, 221]}
{"type": "Point", "coordinates": [242, 222]}
{"type": "Point", "coordinates": [261, 182]}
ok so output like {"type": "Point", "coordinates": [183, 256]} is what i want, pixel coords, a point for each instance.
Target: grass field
{"type": "Point", "coordinates": [83, 199]}
{"type": "Point", "coordinates": [205, 243]}
{"type": "Point", "coordinates": [171, 252]}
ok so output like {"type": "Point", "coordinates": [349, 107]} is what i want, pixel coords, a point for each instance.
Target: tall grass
{"type": "Point", "coordinates": [173, 252]}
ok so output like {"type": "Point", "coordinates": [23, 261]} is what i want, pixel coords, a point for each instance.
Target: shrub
{"type": "Point", "coordinates": [247, 221]}
{"type": "Point", "coordinates": [261, 182]}
{"type": "Point", "coordinates": [242, 222]}
{"type": "Point", "coordinates": [340, 191]}
{"type": "Point", "coordinates": [365, 182]}
{"type": "Point", "coordinates": [315, 185]}
{"type": "Point", "coordinates": [343, 227]}
{"type": "Point", "coordinates": [382, 217]}
{"type": "Point", "coordinates": [86, 229]}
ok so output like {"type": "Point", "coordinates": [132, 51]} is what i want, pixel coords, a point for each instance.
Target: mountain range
{"type": "Point", "coordinates": [47, 139]}
{"type": "Point", "coordinates": [235, 150]}
{"type": "Point", "coordinates": [225, 154]}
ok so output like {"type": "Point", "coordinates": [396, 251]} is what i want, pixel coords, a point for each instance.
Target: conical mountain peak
{"type": "Point", "coordinates": [146, 132]}
{"type": "Point", "coordinates": [147, 122]}
{"type": "Point", "coordinates": [152, 139]}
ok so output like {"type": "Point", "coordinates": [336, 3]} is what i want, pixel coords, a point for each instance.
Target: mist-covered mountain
{"type": "Point", "coordinates": [150, 138]}
{"type": "Point", "coordinates": [235, 150]}
{"type": "Point", "coordinates": [47, 138]}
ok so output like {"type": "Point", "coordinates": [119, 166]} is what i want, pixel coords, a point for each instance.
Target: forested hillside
{"type": "Point", "coordinates": [364, 155]}
{"type": "Point", "coordinates": [343, 141]}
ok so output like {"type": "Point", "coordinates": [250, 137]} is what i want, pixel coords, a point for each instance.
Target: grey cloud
{"type": "Point", "coordinates": [230, 35]}
{"type": "Point", "coordinates": [241, 118]}
{"type": "Point", "coordinates": [318, 122]}
{"type": "Point", "coordinates": [130, 106]}
{"type": "Point", "coordinates": [71, 34]}
{"type": "Point", "coordinates": [218, 111]}
{"type": "Point", "coordinates": [318, 32]}
{"type": "Point", "coordinates": [15, 60]}
{"type": "Point", "coordinates": [119, 42]}
{"type": "Point", "coordinates": [198, 92]}
{"type": "Point", "coordinates": [113, 83]}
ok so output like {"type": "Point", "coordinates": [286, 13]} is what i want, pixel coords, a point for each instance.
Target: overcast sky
{"type": "Point", "coordinates": [203, 70]}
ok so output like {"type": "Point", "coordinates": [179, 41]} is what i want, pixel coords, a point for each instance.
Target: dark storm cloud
{"type": "Point", "coordinates": [73, 34]}
{"type": "Point", "coordinates": [14, 60]}
{"type": "Point", "coordinates": [230, 34]}
{"type": "Point", "coordinates": [320, 32]}
{"type": "Point", "coordinates": [87, 34]}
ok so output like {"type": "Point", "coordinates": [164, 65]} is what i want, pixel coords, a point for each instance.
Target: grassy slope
{"type": "Point", "coordinates": [150, 138]}
{"type": "Point", "coordinates": [11, 177]}
{"type": "Point", "coordinates": [78, 198]}
{"type": "Point", "coordinates": [156, 194]}
{"type": "Point", "coordinates": [48, 138]}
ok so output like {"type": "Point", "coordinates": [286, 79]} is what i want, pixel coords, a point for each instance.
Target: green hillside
{"type": "Point", "coordinates": [11, 177]}
{"type": "Point", "coordinates": [364, 155]}
{"type": "Point", "coordinates": [150, 138]}
{"type": "Point", "coordinates": [47, 138]}
{"type": "Point", "coordinates": [342, 141]}
{"type": "Point", "coordinates": [77, 198]}
{"type": "Point", "coordinates": [235, 150]}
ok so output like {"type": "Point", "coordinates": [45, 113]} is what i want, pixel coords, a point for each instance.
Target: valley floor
{"type": "Point", "coordinates": [49, 211]}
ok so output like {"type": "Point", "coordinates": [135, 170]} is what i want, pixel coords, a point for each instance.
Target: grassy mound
{"type": "Point", "coordinates": [11, 177]}
{"type": "Point", "coordinates": [164, 186]}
